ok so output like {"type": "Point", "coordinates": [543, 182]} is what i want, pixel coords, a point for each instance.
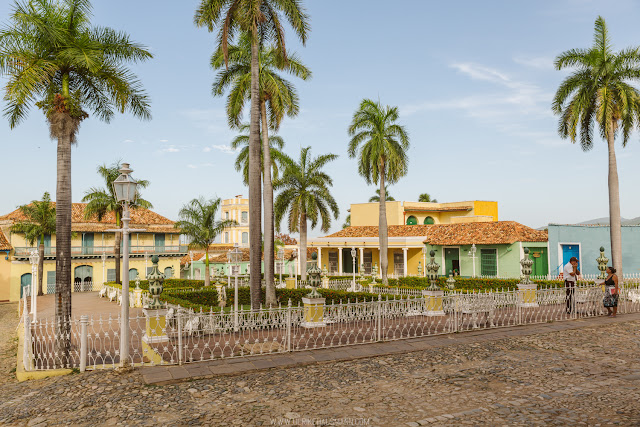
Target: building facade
{"type": "Point", "coordinates": [92, 251]}
{"type": "Point", "coordinates": [584, 242]}
{"type": "Point", "coordinates": [236, 209]}
{"type": "Point", "coordinates": [499, 248]}
{"type": "Point", "coordinates": [424, 213]}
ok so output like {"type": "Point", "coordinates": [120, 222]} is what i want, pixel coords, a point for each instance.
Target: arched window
{"type": "Point", "coordinates": [428, 221]}
{"type": "Point", "coordinates": [83, 278]}
{"type": "Point", "coordinates": [412, 220]}
{"type": "Point", "coordinates": [245, 217]}
{"type": "Point", "coordinates": [167, 273]}
{"type": "Point", "coordinates": [133, 272]}
{"type": "Point", "coordinates": [245, 238]}
{"type": "Point", "coordinates": [197, 274]}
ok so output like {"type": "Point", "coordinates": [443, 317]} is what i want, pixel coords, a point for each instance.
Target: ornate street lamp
{"type": "Point", "coordinates": [34, 259]}
{"type": "Point", "coordinates": [472, 255]}
{"type": "Point", "coordinates": [235, 257]}
{"type": "Point", "coordinates": [353, 260]}
{"type": "Point", "coordinates": [281, 256]}
{"type": "Point", "coordinates": [125, 189]}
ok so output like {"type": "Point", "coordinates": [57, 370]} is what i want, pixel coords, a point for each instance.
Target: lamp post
{"type": "Point", "coordinates": [104, 266]}
{"type": "Point", "coordinates": [34, 258]}
{"type": "Point", "coordinates": [472, 255]}
{"type": "Point", "coordinates": [281, 256]}
{"type": "Point", "coordinates": [235, 256]}
{"type": "Point", "coordinates": [229, 268]}
{"type": "Point", "coordinates": [353, 260]}
{"type": "Point", "coordinates": [125, 188]}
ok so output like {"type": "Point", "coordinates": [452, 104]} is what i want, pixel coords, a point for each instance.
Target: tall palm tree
{"type": "Point", "coordinates": [101, 201]}
{"type": "Point", "coordinates": [278, 97]}
{"type": "Point", "coordinates": [51, 53]}
{"type": "Point", "coordinates": [381, 146]}
{"type": "Point", "coordinates": [304, 195]}
{"type": "Point", "coordinates": [425, 197]}
{"type": "Point", "coordinates": [40, 221]}
{"type": "Point", "coordinates": [262, 20]}
{"type": "Point", "coordinates": [241, 144]}
{"type": "Point", "coordinates": [198, 221]}
{"type": "Point", "coordinates": [376, 198]}
{"type": "Point", "coordinates": [347, 221]}
{"type": "Point", "coordinates": [600, 91]}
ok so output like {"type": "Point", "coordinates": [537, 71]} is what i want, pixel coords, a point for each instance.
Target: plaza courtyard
{"type": "Point", "coordinates": [586, 375]}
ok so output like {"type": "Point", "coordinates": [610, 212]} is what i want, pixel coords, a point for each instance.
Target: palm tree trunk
{"type": "Point", "coordinates": [40, 265]}
{"type": "Point", "coordinates": [63, 250]}
{"type": "Point", "coordinates": [614, 208]}
{"type": "Point", "coordinates": [382, 229]}
{"type": "Point", "coordinates": [255, 199]}
{"type": "Point", "coordinates": [303, 245]}
{"type": "Point", "coordinates": [207, 279]}
{"type": "Point", "coordinates": [269, 229]}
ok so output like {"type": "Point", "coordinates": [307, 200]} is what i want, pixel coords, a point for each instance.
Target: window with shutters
{"type": "Point", "coordinates": [488, 262]}
{"type": "Point", "coordinates": [333, 262]}
{"type": "Point", "coordinates": [51, 282]}
{"type": "Point", "coordinates": [111, 275]}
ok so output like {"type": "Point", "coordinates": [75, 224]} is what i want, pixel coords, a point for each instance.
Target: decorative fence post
{"type": "Point", "coordinates": [289, 326]}
{"type": "Point", "coordinates": [84, 351]}
{"type": "Point", "coordinates": [156, 314]}
{"type": "Point", "coordinates": [526, 288]}
{"type": "Point", "coordinates": [26, 351]}
{"type": "Point", "coordinates": [379, 319]}
{"type": "Point", "coordinates": [433, 295]}
{"type": "Point", "coordinates": [314, 301]}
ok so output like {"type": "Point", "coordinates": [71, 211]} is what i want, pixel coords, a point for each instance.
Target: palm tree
{"type": "Point", "coordinates": [347, 221]}
{"type": "Point", "coordinates": [50, 53]}
{"type": "Point", "coordinates": [40, 221]}
{"type": "Point", "coordinates": [376, 198]}
{"type": "Point", "coordinates": [381, 146]}
{"type": "Point", "coordinates": [198, 221]}
{"type": "Point", "coordinates": [278, 97]}
{"type": "Point", "coordinates": [102, 201]}
{"type": "Point", "coordinates": [599, 90]}
{"type": "Point", "coordinates": [241, 144]}
{"type": "Point", "coordinates": [425, 197]}
{"type": "Point", "coordinates": [262, 20]}
{"type": "Point", "coordinates": [305, 196]}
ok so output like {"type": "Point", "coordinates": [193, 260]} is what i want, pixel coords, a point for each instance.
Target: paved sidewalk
{"type": "Point", "coordinates": [161, 375]}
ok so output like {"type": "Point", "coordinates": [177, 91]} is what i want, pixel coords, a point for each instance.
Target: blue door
{"type": "Point", "coordinates": [569, 251]}
{"type": "Point", "coordinates": [25, 283]}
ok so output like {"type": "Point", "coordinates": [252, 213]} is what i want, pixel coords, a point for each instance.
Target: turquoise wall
{"type": "Point", "coordinates": [590, 239]}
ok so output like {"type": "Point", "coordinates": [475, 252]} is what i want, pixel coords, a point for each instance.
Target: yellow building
{"type": "Point", "coordinates": [236, 209]}
{"type": "Point", "coordinates": [92, 251]}
{"type": "Point", "coordinates": [414, 213]}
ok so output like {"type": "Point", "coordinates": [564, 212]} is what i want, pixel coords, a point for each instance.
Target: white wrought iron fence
{"type": "Point", "coordinates": [187, 336]}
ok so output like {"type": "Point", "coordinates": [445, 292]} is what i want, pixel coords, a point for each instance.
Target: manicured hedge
{"type": "Point", "coordinates": [466, 283]}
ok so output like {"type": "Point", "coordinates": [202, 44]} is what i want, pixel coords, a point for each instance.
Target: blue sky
{"type": "Point", "coordinates": [473, 82]}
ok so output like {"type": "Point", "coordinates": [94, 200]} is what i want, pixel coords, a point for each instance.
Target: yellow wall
{"type": "Point", "coordinates": [486, 208]}
{"type": "Point", "coordinates": [5, 274]}
{"type": "Point", "coordinates": [235, 207]}
{"type": "Point", "coordinates": [369, 213]}
{"type": "Point", "coordinates": [18, 268]}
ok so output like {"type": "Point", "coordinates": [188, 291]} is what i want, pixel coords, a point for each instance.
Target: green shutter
{"type": "Point", "coordinates": [111, 275]}
{"type": "Point", "coordinates": [412, 220]}
{"type": "Point", "coordinates": [488, 262]}
{"type": "Point", "coordinates": [51, 282]}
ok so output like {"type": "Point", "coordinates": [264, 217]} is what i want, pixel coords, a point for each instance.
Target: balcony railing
{"type": "Point", "coordinates": [108, 250]}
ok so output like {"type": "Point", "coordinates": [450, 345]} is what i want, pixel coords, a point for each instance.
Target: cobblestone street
{"type": "Point", "coordinates": [588, 376]}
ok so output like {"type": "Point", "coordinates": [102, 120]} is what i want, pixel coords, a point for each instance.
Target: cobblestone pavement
{"type": "Point", "coordinates": [587, 376]}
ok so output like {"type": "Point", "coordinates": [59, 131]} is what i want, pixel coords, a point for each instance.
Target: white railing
{"type": "Point", "coordinates": [196, 336]}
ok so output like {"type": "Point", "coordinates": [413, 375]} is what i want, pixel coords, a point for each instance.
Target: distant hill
{"type": "Point", "coordinates": [605, 221]}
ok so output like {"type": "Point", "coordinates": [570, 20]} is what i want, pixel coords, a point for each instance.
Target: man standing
{"type": "Point", "coordinates": [570, 274]}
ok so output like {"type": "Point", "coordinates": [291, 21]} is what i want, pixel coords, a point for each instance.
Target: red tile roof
{"type": "Point", "coordinates": [4, 242]}
{"type": "Point", "coordinates": [483, 233]}
{"type": "Point", "coordinates": [140, 218]}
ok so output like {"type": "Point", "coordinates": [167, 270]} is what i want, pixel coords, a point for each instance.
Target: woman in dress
{"type": "Point", "coordinates": [611, 292]}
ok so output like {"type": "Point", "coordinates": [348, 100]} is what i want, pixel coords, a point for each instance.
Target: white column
{"type": "Point", "coordinates": [340, 261]}
{"type": "Point", "coordinates": [320, 257]}
{"type": "Point", "coordinates": [404, 253]}
{"type": "Point", "coordinates": [361, 260]}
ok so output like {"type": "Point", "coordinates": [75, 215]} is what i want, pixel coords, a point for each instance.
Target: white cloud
{"type": "Point", "coordinates": [206, 149]}
{"type": "Point", "coordinates": [128, 140]}
{"type": "Point", "coordinates": [192, 166]}
{"type": "Point", "coordinates": [539, 62]}
{"type": "Point", "coordinates": [224, 148]}
{"type": "Point", "coordinates": [169, 149]}
{"type": "Point", "coordinates": [164, 140]}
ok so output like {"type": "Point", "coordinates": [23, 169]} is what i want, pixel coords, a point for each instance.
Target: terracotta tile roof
{"type": "Point", "coordinates": [484, 233]}
{"type": "Point", "coordinates": [4, 242]}
{"type": "Point", "coordinates": [140, 218]}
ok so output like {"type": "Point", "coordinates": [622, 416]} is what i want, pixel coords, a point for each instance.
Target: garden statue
{"type": "Point", "coordinates": [156, 279]}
